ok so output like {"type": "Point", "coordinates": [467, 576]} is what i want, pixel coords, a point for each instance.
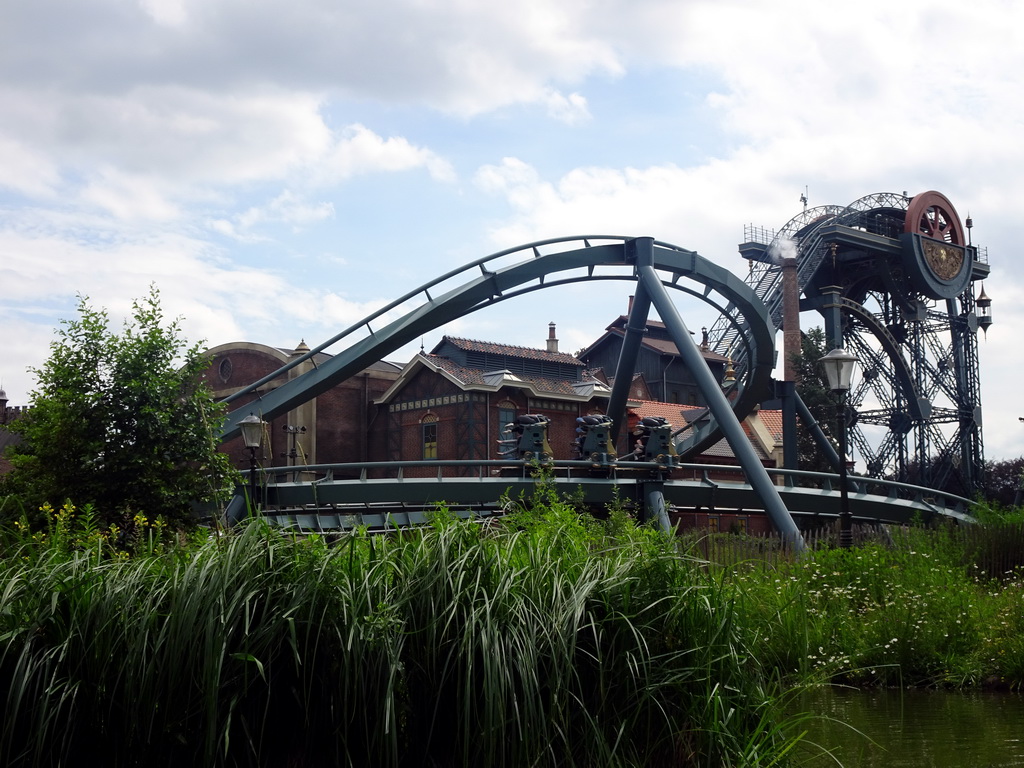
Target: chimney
{"type": "Point", "coordinates": [629, 309]}
{"type": "Point", "coordinates": [790, 318]}
{"type": "Point", "coordinates": [552, 341]}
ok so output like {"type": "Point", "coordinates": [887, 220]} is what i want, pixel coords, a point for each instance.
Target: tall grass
{"type": "Point", "coordinates": [912, 610]}
{"type": "Point", "coordinates": [549, 639]}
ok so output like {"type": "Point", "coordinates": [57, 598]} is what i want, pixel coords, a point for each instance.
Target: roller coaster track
{"type": "Point", "coordinates": [745, 324]}
{"type": "Point", "coordinates": [516, 272]}
{"type": "Point", "coordinates": [346, 496]}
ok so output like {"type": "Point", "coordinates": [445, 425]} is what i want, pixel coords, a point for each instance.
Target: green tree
{"type": "Point", "coordinates": [122, 421]}
{"type": "Point", "coordinates": [1003, 481]}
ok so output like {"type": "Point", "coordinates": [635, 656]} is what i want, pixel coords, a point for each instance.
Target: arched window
{"type": "Point", "coordinates": [428, 434]}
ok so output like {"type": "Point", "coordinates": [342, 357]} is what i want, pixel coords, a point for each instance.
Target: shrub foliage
{"type": "Point", "coordinates": [121, 421]}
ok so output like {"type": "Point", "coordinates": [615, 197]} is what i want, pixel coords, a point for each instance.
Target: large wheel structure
{"type": "Point", "coordinates": [893, 278]}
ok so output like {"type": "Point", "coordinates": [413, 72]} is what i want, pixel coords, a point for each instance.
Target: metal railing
{"type": "Point", "coordinates": [418, 485]}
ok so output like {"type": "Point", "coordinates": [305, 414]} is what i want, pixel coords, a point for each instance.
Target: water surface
{"type": "Point", "coordinates": [923, 729]}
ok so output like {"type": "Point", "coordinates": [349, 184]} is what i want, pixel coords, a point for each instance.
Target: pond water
{"type": "Point", "coordinates": [923, 729]}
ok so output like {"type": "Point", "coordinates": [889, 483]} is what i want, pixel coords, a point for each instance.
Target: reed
{"type": "Point", "coordinates": [547, 639]}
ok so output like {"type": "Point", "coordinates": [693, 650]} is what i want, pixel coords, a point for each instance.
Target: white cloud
{"type": "Point", "coordinates": [26, 170]}
{"type": "Point", "coordinates": [467, 57]}
{"type": "Point", "coordinates": [569, 109]}
{"type": "Point", "coordinates": [169, 13]}
{"type": "Point", "coordinates": [360, 150]}
{"type": "Point", "coordinates": [128, 197]}
{"type": "Point", "coordinates": [287, 208]}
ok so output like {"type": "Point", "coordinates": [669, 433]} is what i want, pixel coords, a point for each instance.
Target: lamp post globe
{"type": "Point", "coordinates": [252, 435]}
{"type": "Point", "coordinates": [839, 365]}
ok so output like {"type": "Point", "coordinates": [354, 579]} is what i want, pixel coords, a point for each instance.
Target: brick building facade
{"type": "Point", "coordinates": [450, 403]}
{"type": "Point", "coordinates": [338, 426]}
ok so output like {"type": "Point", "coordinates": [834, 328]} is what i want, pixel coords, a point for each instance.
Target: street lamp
{"type": "Point", "coordinates": [839, 365]}
{"type": "Point", "coordinates": [252, 435]}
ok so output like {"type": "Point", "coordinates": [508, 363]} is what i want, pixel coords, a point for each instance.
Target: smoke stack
{"type": "Point", "coordinates": [791, 345]}
{"type": "Point", "coordinates": [552, 341]}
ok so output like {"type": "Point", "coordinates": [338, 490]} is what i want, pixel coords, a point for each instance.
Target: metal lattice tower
{"type": "Point", "coordinates": [893, 277]}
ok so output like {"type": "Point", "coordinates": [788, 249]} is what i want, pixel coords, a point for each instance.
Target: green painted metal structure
{"type": "Point", "coordinates": [516, 272]}
{"type": "Point", "coordinates": [350, 495]}
{"type": "Point", "coordinates": [656, 268]}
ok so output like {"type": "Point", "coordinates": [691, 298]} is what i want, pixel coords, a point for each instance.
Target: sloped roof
{"type": "Point", "coordinates": [479, 376]}
{"type": "Point", "coordinates": [668, 347]}
{"type": "Point", "coordinates": [661, 346]}
{"type": "Point", "coordinates": [673, 413]}
{"type": "Point", "coordinates": [509, 350]}
{"type": "Point", "coordinates": [678, 415]}
{"type": "Point", "coordinates": [773, 422]}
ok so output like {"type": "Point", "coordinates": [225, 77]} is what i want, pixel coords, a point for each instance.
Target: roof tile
{"type": "Point", "coordinates": [511, 350]}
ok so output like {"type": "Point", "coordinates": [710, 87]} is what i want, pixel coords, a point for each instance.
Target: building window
{"type": "Point", "coordinates": [428, 427]}
{"type": "Point", "coordinates": [506, 413]}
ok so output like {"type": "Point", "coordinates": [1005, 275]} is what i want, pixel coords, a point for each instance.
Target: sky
{"type": "Point", "coordinates": [278, 170]}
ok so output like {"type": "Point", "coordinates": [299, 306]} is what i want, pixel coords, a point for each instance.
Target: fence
{"type": "Point", "coordinates": [996, 550]}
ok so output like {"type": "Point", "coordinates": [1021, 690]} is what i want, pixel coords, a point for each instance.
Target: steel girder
{"type": "Point", "coordinates": [487, 284]}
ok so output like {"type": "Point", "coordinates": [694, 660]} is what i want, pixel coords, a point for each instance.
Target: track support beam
{"type": "Point", "coordinates": [720, 408]}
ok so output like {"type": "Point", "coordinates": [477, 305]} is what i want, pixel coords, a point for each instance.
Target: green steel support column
{"type": "Point", "coordinates": [832, 311]}
{"type": "Point", "coordinates": [823, 443]}
{"type": "Point", "coordinates": [636, 326]}
{"type": "Point", "coordinates": [720, 408]}
{"type": "Point", "coordinates": [654, 505]}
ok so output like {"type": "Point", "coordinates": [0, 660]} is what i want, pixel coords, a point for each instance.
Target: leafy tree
{"type": "Point", "coordinates": [121, 421]}
{"type": "Point", "coordinates": [1002, 481]}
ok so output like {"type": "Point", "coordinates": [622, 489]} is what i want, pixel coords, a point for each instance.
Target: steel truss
{"type": "Point", "coordinates": [916, 411]}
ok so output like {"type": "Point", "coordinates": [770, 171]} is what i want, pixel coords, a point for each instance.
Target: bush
{"type": "Point", "coordinates": [121, 422]}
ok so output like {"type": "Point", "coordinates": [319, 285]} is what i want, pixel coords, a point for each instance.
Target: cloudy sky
{"type": "Point", "coordinates": [279, 169]}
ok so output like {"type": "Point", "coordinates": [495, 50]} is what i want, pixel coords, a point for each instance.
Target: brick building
{"type": "Point", "coordinates": [338, 426]}
{"type": "Point", "coordinates": [658, 361]}
{"type": "Point", "coordinates": [454, 401]}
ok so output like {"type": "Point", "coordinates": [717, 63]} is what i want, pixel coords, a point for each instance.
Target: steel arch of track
{"type": "Point", "coordinates": [653, 265]}
{"type": "Point", "coordinates": [486, 283]}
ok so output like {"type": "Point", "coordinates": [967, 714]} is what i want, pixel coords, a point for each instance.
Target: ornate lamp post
{"type": "Point", "coordinates": [839, 365]}
{"type": "Point", "coordinates": [252, 435]}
